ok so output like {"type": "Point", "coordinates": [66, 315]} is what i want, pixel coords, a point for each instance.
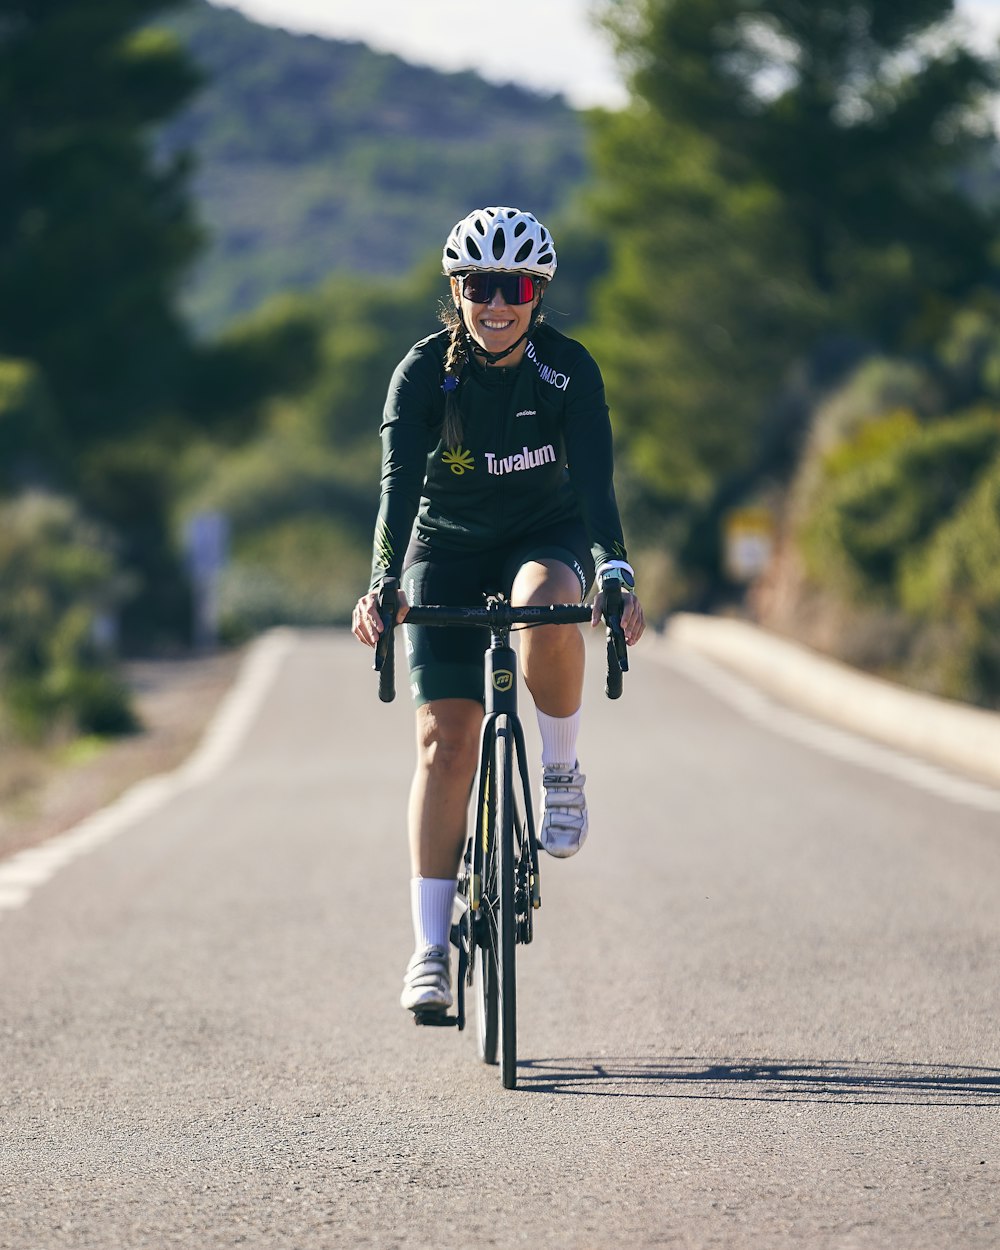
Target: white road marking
{"type": "Point", "coordinates": [764, 711]}
{"type": "Point", "coordinates": [22, 874]}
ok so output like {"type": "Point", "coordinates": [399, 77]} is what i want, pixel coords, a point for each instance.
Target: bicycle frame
{"type": "Point", "coordinates": [500, 698]}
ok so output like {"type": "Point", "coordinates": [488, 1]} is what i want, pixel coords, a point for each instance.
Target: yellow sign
{"type": "Point", "coordinates": [503, 679]}
{"type": "Point", "coordinates": [749, 542]}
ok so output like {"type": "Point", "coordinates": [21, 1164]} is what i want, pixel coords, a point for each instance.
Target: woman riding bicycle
{"type": "Point", "coordinates": [496, 475]}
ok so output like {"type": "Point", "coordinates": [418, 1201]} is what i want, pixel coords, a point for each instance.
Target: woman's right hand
{"type": "Point", "coordinates": [366, 624]}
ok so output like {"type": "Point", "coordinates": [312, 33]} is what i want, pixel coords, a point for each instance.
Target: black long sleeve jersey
{"type": "Point", "coordinates": [536, 450]}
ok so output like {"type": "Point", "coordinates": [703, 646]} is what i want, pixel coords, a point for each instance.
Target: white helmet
{"type": "Point", "coordinates": [500, 238]}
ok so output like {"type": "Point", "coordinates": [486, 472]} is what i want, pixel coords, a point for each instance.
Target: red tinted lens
{"type": "Point", "coordinates": [518, 289]}
{"type": "Point", "coordinates": [514, 287]}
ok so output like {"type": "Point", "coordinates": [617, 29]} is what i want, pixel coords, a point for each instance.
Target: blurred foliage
{"type": "Point", "coordinates": [101, 382]}
{"type": "Point", "coordinates": [786, 267]}
{"type": "Point", "coordinates": [317, 155]}
{"type": "Point", "coordinates": [93, 237]}
{"type": "Point", "coordinates": [304, 570]}
{"type": "Point", "coordinates": [301, 497]}
{"type": "Point", "coordinates": [60, 577]}
{"type": "Point", "coordinates": [32, 449]}
{"type": "Point", "coordinates": [889, 490]}
{"type": "Point", "coordinates": [897, 508]}
{"type": "Point", "coordinates": [131, 486]}
{"type": "Point", "coordinates": [273, 351]}
{"type": "Point", "coordinates": [880, 385]}
{"type": "Point", "coordinates": [784, 193]}
{"type": "Point", "coordinates": [954, 582]}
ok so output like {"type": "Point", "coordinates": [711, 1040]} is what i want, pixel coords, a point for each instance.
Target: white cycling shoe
{"type": "Point", "coordinates": [427, 981]}
{"type": "Point", "coordinates": [563, 825]}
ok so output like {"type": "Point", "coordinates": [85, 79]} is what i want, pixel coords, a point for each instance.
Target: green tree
{"type": "Point", "coordinates": [893, 517]}
{"type": "Point", "coordinates": [94, 235]}
{"type": "Point", "coordinates": [787, 173]}
{"type": "Point", "coordinates": [60, 578]}
{"type": "Point", "coordinates": [301, 497]}
{"type": "Point", "coordinates": [30, 448]}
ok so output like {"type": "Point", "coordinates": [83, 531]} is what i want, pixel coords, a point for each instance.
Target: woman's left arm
{"type": "Point", "coordinates": [590, 463]}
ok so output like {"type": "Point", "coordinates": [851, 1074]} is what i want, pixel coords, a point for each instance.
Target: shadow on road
{"type": "Point", "coordinates": [765, 1080]}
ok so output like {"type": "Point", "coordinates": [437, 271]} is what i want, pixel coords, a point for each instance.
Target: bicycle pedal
{"type": "Point", "coordinates": [434, 1019]}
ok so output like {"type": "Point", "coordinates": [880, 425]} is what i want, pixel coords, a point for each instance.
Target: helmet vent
{"type": "Point", "coordinates": [523, 252]}
{"type": "Point", "coordinates": [478, 223]}
{"type": "Point", "coordinates": [473, 247]}
{"type": "Point", "coordinates": [499, 244]}
{"type": "Point", "coordinates": [545, 259]}
{"type": "Point", "coordinates": [520, 228]}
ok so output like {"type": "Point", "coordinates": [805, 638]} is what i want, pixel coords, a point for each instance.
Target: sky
{"type": "Point", "coordinates": [548, 45]}
{"type": "Point", "coordinates": [551, 45]}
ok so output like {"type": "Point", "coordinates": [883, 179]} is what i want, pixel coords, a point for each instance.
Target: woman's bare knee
{"type": "Point", "coordinates": [545, 581]}
{"type": "Point", "coordinates": [448, 735]}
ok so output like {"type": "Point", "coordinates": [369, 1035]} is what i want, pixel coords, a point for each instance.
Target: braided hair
{"type": "Point", "coordinates": [455, 360]}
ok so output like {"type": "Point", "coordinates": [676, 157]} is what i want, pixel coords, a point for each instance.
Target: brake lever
{"type": "Point", "coordinates": [613, 617]}
{"type": "Point", "coordinates": [617, 654]}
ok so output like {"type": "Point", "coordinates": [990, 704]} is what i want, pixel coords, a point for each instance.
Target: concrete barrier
{"type": "Point", "coordinates": [954, 735]}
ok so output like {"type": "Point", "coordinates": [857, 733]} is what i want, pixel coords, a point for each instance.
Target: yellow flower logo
{"type": "Point", "coordinates": [458, 461]}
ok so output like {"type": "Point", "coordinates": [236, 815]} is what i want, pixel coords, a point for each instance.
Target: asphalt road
{"type": "Point", "coordinates": [761, 1009]}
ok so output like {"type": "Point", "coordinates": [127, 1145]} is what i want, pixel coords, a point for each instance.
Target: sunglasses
{"type": "Point", "coordinates": [515, 288]}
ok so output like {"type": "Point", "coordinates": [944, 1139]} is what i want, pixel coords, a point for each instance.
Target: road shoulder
{"type": "Point", "coordinates": [953, 735]}
{"type": "Point", "coordinates": [175, 700]}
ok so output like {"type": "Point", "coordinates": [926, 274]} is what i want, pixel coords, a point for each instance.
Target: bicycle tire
{"type": "Point", "coordinates": [486, 1014]}
{"type": "Point", "coordinates": [486, 862]}
{"type": "Point", "coordinates": [507, 987]}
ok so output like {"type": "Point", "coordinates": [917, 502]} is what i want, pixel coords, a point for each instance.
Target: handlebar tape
{"type": "Point", "coordinates": [385, 648]}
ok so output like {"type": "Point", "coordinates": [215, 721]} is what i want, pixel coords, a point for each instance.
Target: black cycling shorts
{"type": "Point", "coordinates": [446, 662]}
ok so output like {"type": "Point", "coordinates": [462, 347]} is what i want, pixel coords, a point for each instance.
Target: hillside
{"type": "Point", "coordinates": [315, 155]}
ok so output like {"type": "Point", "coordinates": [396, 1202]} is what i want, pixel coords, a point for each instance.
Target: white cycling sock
{"type": "Point", "coordinates": [559, 735]}
{"type": "Point", "coordinates": [431, 900]}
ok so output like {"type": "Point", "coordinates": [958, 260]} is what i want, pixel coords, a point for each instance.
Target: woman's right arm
{"type": "Point", "coordinates": [405, 424]}
{"type": "Point", "coordinates": [404, 432]}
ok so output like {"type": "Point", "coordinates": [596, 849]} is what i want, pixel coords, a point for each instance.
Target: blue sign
{"type": "Point", "coordinates": [206, 543]}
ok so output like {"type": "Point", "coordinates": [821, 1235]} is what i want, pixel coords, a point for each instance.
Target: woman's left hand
{"type": "Point", "coordinates": [633, 617]}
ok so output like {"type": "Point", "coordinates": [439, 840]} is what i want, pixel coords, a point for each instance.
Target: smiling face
{"type": "Point", "coordinates": [496, 325]}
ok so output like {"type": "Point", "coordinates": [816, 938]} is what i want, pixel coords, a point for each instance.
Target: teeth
{"type": "Point", "coordinates": [497, 325]}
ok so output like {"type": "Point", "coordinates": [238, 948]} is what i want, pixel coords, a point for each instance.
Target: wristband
{"type": "Point", "coordinates": [620, 572]}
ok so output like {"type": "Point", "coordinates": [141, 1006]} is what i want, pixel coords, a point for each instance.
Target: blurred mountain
{"type": "Point", "coordinates": [315, 155]}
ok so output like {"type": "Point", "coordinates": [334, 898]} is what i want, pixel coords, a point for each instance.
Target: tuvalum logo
{"type": "Point", "coordinates": [459, 460]}
{"type": "Point", "coordinates": [559, 380]}
{"type": "Point", "coordinates": [524, 459]}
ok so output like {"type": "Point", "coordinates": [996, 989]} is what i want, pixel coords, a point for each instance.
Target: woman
{"type": "Point", "coordinates": [496, 438]}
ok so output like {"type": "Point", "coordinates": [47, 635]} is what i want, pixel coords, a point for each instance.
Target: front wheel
{"type": "Point", "coordinates": [496, 925]}
{"type": "Point", "coordinates": [486, 1004]}
{"type": "Point", "coordinates": [485, 921]}
{"type": "Point", "coordinates": [507, 988]}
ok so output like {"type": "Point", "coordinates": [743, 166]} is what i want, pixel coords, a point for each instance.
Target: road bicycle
{"type": "Point", "coordinates": [498, 888]}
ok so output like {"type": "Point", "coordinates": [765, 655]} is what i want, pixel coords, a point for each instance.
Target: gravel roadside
{"type": "Point", "coordinates": [175, 700]}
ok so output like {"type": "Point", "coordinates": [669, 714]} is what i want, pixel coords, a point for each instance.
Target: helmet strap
{"type": "Point", "coordinates": [493, 358]}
